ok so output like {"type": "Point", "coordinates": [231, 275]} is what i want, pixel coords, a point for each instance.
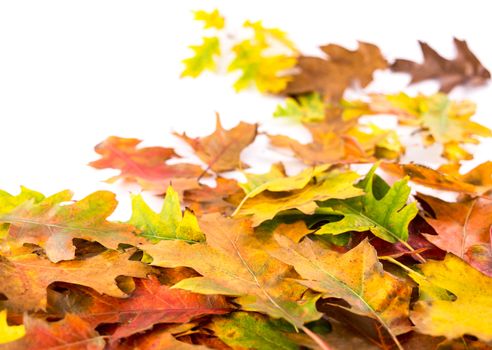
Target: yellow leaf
{"type": "Point", "coordinates": [9, 333]}
{"type": "Point", "coordinates": [203, 58]}
{"type": "Point", "coordinates": [210, 19]}
{"type": "Point", "coordinates": [468, 312]}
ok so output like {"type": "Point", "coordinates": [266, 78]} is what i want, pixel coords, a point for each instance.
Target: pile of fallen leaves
{"type": "Point", "coordinates": [327, 258]}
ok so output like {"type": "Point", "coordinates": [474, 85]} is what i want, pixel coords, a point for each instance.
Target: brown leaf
{"type": "Point", "coordinates": [477, 181]}
{"type": "Point", "coordinates": [340, 68]}
{"type": "Point", "coordinates": [223, 198]}
{"type": "Point", "coordinates": [221, 150]}
{"type": "Point", "coordinates": [465, 69]}
{"type": "Point", "coordinates": [461, 227]}
{"type": "Point", "coordinates": [146, 166]}
{"type": "Point", "coordinates": [71, 333]}
{"type": "Point", "coordinates": [149, 304]}
{"type": "Point", "coordinates": [27, 276]}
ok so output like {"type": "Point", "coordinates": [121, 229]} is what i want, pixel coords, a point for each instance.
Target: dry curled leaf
{"type": "Point", "coordinates": [464, 69]}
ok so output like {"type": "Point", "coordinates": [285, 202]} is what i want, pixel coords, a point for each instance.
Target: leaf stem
{"type": "Point", "coordinates": [316, 338]}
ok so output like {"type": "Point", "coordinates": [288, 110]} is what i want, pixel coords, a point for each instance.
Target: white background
{"type": "Point", "coordinates": [74, 72]}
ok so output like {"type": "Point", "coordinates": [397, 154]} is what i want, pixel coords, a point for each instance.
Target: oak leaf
{"type": "Point", "coordinates": [71, 333]}
{"type": "Point", "coordinates": [477, 181]}
{"type": "Point", "coordinates": [149, 304]}
{"type": "Point", "coordinates": [461, 227]}
{"type": "Point", "coordinates": [54, 222]}
{"type": "Point", "coordinates": [223, 198]}
{"type": "Point", "coordinates": [29, 275]}
{"type": "Point", "coordinates": [306, 108]}
{"type": "Point", "coordinates": [254, 331]}
{"type": "Point", "coordinates": [280, 195]}
{"type": "Point", "coordinates": [381, 210]}
{"type": "Point", "coordinates": [337, 70]}
{"type": "Point", "coordinates": [356, 277]}
{"type": "Point", "coordinates": [170, 223]}
{"type": "Point", "coordinates": [233, 262]}
{"type": "Point", "coordinates": [146, 166]}
{"type": "Point", "coordinates": [465, 69]}
{"type": "Point", "coordinates": [204, 57]}
{"type": "Point", "coordinates": [211, 19]}
{"type": "Point", "coordinates": [439, 314]}
{"type": "Point", "coordinates": [222, 149]}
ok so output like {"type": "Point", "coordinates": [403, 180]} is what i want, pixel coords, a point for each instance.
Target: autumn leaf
{"type": "Point", "coordinates": [477, 181]}
{"type": "Point", "coordinates": [211, 19]}
{"type": "Point", "coordinates": [71, 333]}
{"type": "Point", "coordinates": [9, 333]}
{"type": "Point", "coordinates": [222, 149]}
{"type": "Point", "coordinates": [232, 262]}
{"type": "Point", "coordinates": [170, 223]}
{"type": "Point", "coordinates": [161, 339]}
{"type": "Point", "coordinates": [149, 304]}
{"type": "Point", "coordinates": [356, 277]}
{"type": "Point", "coordinates": [438, 118]}
{"type": "Point", "coordinates": [204, 57]}
{"type": "Point", "coordinates": [254, 331]}
{"type": "Point", "coordinates": [146, 166]}
{"type": "Point", "coordinates": [465, 69]}
{"type": "Point", "coordinates": [29, 275]}
{"type": "Point", "coordinates": [54, 222]}
{"type": "Point", "coordinates": [264, 205]}
{"type": "Point", "coordinates": [381, 210]}
{"type": "Point", "coordinates": [306, 108]}
{"type": "Point", "coordinates": [440, 315]}
{"type": "Point", "coordinates": [460, 226]}
{"type": "Point", "coordinates": [337, 70]}
{"type": "Point", "coordinates": [222, 198]}
{"type": "Point", "coordinates": [263, 59]}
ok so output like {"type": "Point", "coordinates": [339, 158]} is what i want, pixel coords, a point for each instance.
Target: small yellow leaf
{"type": "Point", "coordinates": [203, 58]}
{"type": "Point", "coordinates": [210, 19]}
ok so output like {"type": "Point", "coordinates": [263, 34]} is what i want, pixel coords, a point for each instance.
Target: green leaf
{"type": "Point", "coordinates": [203, 58]}
{"type": "Point", "coordinates": [253, 331]}
{"type": "Point", "coordinates": [306, 108]}
{"type": "Point", "coordinates": [169, 223]}
{"type": "Point", "coordinates": [381, 210]}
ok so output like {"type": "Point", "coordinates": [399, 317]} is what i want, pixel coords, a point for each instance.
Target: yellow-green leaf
{"type": "Point", "coordinates": [169, 223]}
{"type": "Point", "coordinates": [203, 58]}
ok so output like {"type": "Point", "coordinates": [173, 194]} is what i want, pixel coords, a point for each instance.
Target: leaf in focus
{"type": "Point", "coordinates": [337, 70]}
{"type": "Point", "coordinates": [170, 223]}
{"type": "Point", "coordinates": [210, 19]}
{"type": "Point", "coordinates": [9, 333]}
{"type": "Point", "coordinates": [274, 200]}
{"type": "Point", "coordinates": [29, 275]}
{"type": "Point", "coordinates": [71, 333]}
{"type": "Point", "coordinates": [469, 312]}
{"type": "Point", "coordinates": [146, 166]}
{"type": "Point", "coordinates": [54, 222]}
{"type": "Point", "coordinates": [233, 262]}
{"type": "Point", "coordinates": [464, 69]}
{"type": "Point", "coordinates": [460, 226]}
{"type": "Point", "coordinates": [254, 331]}
{"type": "Point", "coordinates": [356, 277]}
{"type": "Point", "coordinates": [381, 210]}
{"type": "Point", "coordinates": [221, 150]}
{"type": "Point", "coordinates": [204, 57]}
{"type": "Point", "coordinates": [149, 304]}
{"type": "Point", "coordinates": [306, 108]}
